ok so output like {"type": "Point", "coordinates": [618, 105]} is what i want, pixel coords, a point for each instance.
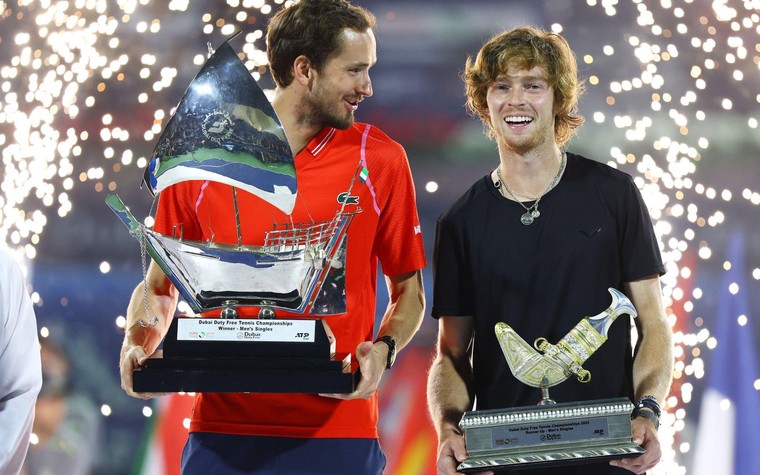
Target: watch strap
{"type": "Point", "coordinates": [653, 413]}
{"type": "Point", "coordinates": [388, 340]}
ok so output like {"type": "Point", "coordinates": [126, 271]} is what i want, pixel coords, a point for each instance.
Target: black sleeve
{"type": "Point", "coordinates": [452, 281]}
{"type": "Point", "coordinates": [639, 250]}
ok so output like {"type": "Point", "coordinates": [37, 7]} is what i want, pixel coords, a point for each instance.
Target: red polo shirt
{"type": "Point", "coordinates": [385, 229]}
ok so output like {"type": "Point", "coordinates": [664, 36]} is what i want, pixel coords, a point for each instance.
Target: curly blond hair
{"type": "Point", "coordinates": [525, 48]}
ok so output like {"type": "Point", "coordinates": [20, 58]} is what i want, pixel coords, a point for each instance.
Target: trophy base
{"type": "Point", "coordinates": [548, 458]}
{"type": "Point", "coordinates": [247, 375]}
{"type": "Point", "coordinates": [550, 435]}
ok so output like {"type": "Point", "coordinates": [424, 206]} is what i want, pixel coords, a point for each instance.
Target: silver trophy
{"type": "Point", "coordinates": [225, 130]}
{"type": "Point", "coordinates": [552, 433]}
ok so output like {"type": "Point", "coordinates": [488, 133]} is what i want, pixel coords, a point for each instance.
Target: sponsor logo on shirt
{"type": "Point", "coordinates": [418, 229]}
{"type": "Point", "coordinates": [348, 199]}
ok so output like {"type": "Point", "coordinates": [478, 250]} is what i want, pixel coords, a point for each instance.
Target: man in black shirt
{"type": "Point", "coordinates": [536, 244]}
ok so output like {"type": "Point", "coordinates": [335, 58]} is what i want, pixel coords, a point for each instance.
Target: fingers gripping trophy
{"type": "Point", "coordinates": [552, 433]}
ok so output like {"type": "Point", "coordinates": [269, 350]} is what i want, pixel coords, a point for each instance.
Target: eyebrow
{"type": "Point", "coordinates": [359, 64]}
{"type": "Point", "coordinates": [525, 78]}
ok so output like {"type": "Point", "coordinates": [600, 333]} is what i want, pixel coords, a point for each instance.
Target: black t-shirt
{"type": "Point", "coordinates": [594, 232]}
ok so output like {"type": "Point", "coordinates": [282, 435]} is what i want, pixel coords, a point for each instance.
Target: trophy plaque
{"type": "Point", "coordinates": [552, 433]}
{"type": "Point", "coordinates": [225, 130]}
{"type": "Point", "coordinates": [248, 355]}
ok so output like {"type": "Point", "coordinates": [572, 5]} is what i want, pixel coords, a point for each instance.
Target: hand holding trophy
{"type": "Point", "coordinates": [552, 433]}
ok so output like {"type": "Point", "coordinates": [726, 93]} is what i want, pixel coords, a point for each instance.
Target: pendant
{"type": "Point", "coordinates": [526, 219]}
{"type": "Point", "coordinates": [535, 213]}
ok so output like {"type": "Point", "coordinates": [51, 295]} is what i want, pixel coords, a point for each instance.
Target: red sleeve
{"type": "Point", "coordinates": [398, 242]}
{"type": "Point", "coordinates": [176, 213]}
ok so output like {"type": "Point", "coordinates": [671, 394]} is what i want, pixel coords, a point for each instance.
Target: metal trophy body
{"type": "Point", "coordinates": [552, 433]}
{"type": "Point", "coordinates": [225, 130]}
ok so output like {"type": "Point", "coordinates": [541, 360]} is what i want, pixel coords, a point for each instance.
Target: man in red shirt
{"type": "Point", "coordinates": [320, 54]}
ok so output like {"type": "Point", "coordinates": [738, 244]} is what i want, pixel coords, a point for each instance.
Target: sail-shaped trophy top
{"type": "Point", "coordinates": [225, 130]}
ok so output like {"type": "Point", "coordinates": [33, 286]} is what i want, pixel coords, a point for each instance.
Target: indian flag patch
{"type": "Point", "coordinates": [363, 175]}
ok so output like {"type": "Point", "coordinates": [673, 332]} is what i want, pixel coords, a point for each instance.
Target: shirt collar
{"type": "Point", "coordinates": [320, 141]}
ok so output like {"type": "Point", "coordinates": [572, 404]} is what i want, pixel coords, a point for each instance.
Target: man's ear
{"type": "Point", "coordinates": [303, 71]}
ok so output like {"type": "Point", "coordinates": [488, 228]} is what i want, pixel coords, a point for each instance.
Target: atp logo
{"type": "Point", "coordinates": [348, 199]}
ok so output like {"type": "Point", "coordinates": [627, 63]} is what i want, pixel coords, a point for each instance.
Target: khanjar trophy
{"type": "Point", "coordinates": [552, 433]}
{"type": "Point", "coordinates": [225, 130]}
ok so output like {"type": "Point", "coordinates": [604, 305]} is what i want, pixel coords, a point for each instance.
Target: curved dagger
{"type": "Point", "coordinates": [558, 362]}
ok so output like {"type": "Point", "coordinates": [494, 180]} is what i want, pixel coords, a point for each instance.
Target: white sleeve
{"type": "Point", "coordinates": [20, 371]}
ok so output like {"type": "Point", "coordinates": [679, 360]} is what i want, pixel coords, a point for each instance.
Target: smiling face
{"type": "Point", "coordinates": [521, 109]}
{"type": "Point", "coordinates": [342, 83]}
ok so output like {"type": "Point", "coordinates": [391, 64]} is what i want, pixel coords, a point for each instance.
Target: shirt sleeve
{"type": "Point", "coordinates": [175, 214]}
{"type": "Point", "coordinates": [398, 242]}
{"type": "Point", "coordinates": [452, 283]}
{"type": "Point", "coordinates": [20, 368]}
{"type": "Point", "coordinates": [639, 251]}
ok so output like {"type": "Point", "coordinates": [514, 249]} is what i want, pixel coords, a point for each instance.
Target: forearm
{"type": "Point", "coordinates": [653, 358]}
{"type": "Point", "coordinates": [653, 362]}
{"type": "Point", "coordinates": [405, 309]}
{"type": "Point", "coordinates": [162, 300]}
{"type": "Point", "coordinates": [448, 392]}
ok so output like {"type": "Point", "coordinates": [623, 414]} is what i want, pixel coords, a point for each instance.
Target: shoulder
{"type": "Point", "coordinates": [587, 167]}
{"type": "Point", "coordinates": [11, 287]}
{"type": "Point", "coordinates": [373, 138]}
{"type": "Point", "coordinates": [469, 205]}
{"type": "Point", "coordinates": [598, 175]}
{"type": "Point", "coordinates": [9, 269]}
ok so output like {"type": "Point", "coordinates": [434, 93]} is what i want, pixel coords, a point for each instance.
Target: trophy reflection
{"type": "Point", "coordinates": [552, 433]}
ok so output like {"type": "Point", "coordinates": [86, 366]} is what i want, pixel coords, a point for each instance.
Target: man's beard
{"type": "Point", "coordinates": [316, 111]}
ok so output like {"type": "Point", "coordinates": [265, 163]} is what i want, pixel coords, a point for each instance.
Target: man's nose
{"type": "Point", "coordinates": [516, 96]}
{"type": "Point", "coordinates": [365, 86]}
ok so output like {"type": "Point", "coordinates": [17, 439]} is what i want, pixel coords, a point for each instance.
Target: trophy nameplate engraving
{"type": "Point", "coordinates": [264, 330]}
{"type": "Point", "coordinates": [227, 361]}
{"type": "Point", "coordinates": [552, 433]}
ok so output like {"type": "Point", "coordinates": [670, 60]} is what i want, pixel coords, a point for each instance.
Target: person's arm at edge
{"type": "Point", "coordinates": [20, 369]}
{"type": "Point", "coordinates": [401, 320]}
{"type": "Point", "coordinates": [652, 365]}
{"type": "Point", "coordinates": [141, 341]}
{"type": "Point", "coordinates": [450, 389]}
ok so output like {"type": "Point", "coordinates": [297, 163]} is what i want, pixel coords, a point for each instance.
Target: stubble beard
{"type": "Point", "coordinates": [317, 113]}
{"type": "Point", "coordinates": [521, 144]}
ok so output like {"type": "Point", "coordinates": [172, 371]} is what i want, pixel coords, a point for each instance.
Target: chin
{"type": "Point", "coordinates": [342, 123]}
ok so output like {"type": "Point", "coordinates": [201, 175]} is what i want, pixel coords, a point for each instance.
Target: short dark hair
{"type": "Point", "coordinates": [311, 28]}
{"type": "Point", "coordinates": [524, 48]}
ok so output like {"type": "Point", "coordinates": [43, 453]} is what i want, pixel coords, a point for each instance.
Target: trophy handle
{"type": "Point", "coordinates": [528, 365]}
{"type": "Point", "coordinates": [560, 361]}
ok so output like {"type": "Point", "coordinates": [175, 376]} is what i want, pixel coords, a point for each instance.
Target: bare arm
{"type": "Point", "coordinates": [653, 359]}
{"type": "Point", "coordinates": [652, 366]}
{"type": "Point", "coordinates": [20, 375]}
{"type": "Point", "coordinates": [402, 319]}
{"type": "Point", "coordinates": [449, 389]}
{"type": "Point", "coordinates": [405, 309]}
{"type": "Point", "coordinates": [141, 341]}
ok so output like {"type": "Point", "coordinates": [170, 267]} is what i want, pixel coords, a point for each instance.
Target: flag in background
{"type": "Point", "coordinates": [406, 431]}
{"type": "Point", "coordinates": [166, 437]}
{"type": "Point", "coordinates": [728, 439]}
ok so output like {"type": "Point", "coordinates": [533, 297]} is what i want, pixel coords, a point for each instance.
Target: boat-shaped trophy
{"type": "Point", "coordinates": [552, 433]}
{"type": "Point", "coordinates": [225, 130]}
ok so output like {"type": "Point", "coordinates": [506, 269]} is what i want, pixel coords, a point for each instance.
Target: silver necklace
{"type": "Point", "coordinates": [531, 212]}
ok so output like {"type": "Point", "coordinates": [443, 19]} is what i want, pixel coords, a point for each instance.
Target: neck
{"type": "Point", "coordinates": [529, 173]}
{"type": "Point", "coordinates": [299, 133]}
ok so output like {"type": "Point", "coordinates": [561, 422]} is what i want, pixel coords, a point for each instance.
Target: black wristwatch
{"type": "Point", "coordinates": [388, 340]}
{"type": "Point", "coordinates": [654, 412]}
